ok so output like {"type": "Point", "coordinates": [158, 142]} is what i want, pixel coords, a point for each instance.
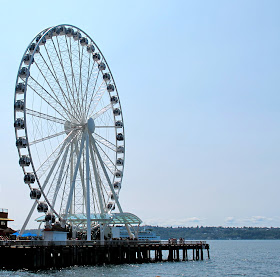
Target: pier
{"type": "Point", "coordinates": [34, 255]}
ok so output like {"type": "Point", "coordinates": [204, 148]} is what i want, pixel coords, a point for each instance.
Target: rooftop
{"type": "Point", "coordinates": [114, 218]}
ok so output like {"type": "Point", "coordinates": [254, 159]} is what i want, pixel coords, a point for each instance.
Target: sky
{"type": "Point", "coordinates": [199, 86]}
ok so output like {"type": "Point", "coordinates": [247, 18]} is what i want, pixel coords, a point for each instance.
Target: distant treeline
{"type": "Point", "coordinates": [208, 233]}
{"type": "Point", "coordinates": [216, 233]}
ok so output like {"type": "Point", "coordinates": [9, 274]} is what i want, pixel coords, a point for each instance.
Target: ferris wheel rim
{"type": "Point", "coordinates": [43, 34]}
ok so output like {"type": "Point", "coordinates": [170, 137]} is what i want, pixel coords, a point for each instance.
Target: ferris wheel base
{"type": "Point", "coordinates": [54, 236]}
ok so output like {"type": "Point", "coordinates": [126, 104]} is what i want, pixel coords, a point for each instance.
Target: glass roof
{"type": "Point", "coordinates": [114, 218]}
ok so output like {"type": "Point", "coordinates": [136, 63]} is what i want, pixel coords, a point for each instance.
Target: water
{"type": "Point", "coordinates": [228, 258]}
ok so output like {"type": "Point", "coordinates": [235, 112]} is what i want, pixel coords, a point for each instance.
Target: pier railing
{"type": "Point", "coordinates": [96, 243]}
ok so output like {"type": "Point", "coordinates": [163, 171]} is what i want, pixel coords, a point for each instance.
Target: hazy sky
{"type": "Point", "coordinates": [199, 87]}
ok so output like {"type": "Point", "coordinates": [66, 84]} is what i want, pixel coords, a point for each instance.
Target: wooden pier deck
{"type": "Point", "coordinates": [35, 255]}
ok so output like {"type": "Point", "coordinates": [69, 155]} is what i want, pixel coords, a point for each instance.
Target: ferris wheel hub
{"type": "Point", "coordinates": [68, 126]}
{"type": "Point", "coordinates": [91, 125]}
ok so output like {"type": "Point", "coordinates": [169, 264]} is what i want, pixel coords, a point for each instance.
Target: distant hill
{"type": "Point", "coordinates": [216, 233]}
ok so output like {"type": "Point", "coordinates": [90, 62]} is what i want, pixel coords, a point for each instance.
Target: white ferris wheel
{"type": "Point", "coordinates": [69, 129]}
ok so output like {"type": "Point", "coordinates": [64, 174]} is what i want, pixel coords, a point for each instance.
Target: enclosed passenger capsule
{"type": "Point", "coordinates": [19, 105]}
{"type": "Point", "coordinates": [84, 41]}
{"type": "Point", "coordinates": [69, 32]}
{"type": "Point", "coordinates": [118, 174]}
{"type": "Point", "coordinates": [50, 217]}
{"type": "Point", "coordinates": [23, 72]}
{"type": "Point", "coordinates": [110, 88]}
{"type": "Point", "coordinates": [19, 124]}
{"type": "Point", "coordinates": [27, 59]}
{"type": "Point", "coordinates": [49, 34]}
{"type": "Point", "coordinates": [110, 206]}
{"type": "Point", "coordinates": [106, 77]}
{"type": "Point", "coordinates": [21, 142]}
{"type": "Point", "coordinates": [42, 207]}
{"type": "Point", "coordinates": [36, 194]}
{"type": "Point", "coordinates": [117, 185]}
{"type": "Point", "coordinates": [114, 99]}
{"type": "Point", "coordinates": [24, 161]}
{"type": "Point", "coordinates": [120, 149]}
{"type": "Point", "coordinates": [42, 42]}
{"type": "Point", "coordinates": [120, 137]}
{"type": "Point", "coordinates": [90, 48]}
{"type": "Point", "coordinates": [119, 124]}
{"type": "Point", "coordinates": [20, 88]}
{"type": "Point", "coordinates": [55, 31]}
{"type": "Point", "coordinates": [29, 178]}
{"type": "Point", "coordinates": [32, 48]}
{"type": "Point", "coordinates": [61, 30]}
{"type": "Point", "coordinates": [77, 36]}
{"type": "Point", "coordinates": [96, 57]}
{"type": "Point", "coordinates": [119, 162]}
{"type": "Point", "coordinates": [102, 66]}
{"type": "Point", "coordinates": [116, 111]}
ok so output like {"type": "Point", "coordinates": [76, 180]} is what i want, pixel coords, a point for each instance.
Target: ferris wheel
{"type": "Point", "coordinates": [69, 127]}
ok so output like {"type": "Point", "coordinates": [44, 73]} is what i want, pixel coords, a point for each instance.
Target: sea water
{"type": "Point", "coordinates": [227, 258]}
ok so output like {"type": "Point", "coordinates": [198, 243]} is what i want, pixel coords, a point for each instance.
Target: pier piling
{"type": "Point", "coordinates": [42, 255]}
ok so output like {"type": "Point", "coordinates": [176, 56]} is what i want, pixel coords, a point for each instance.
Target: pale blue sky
{"type": "Point", "coordinates": [199, 87]}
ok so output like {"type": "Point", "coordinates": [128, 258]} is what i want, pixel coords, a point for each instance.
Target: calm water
{"type": "Point", "coordinates": [228, 258]}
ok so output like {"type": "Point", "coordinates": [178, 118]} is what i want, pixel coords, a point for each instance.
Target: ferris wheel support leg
{"type": "Point", "coordinates": [100, 199]}
{"type": "Point", "coordinates": [88, 191]}
{"type": "Point", "coordinates": [102, 233]}
{"type": "Point", "coordinates": [43, 187]}
{"type": "Point", "coordinates": [81, 173]}
{"type": "Point", "coordinates": [28, 218]}
{"type": "Point", "coordinates": [69, 201]}
{"type": "Point", "coordinates": [109, 182]}
{"type": "Point", "coordinates": [58, 184]}
{"type": "Point", "coordinates": [71, 174]}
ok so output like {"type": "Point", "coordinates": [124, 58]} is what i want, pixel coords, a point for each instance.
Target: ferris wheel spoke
{"type": "Point", "coordinates": [66, 101]}
{"type": "Point", "coordinates": [97, 97]}
{"type": "Point", "coordinates": [52, 136]}
{"type": "Point", "coordinates": [83, 95]}
{"type": "Point", "coordinates": [49, 104]}
{"type": "Point", "coordinates": [93, 94]}
{"type": "Point", "coordinates": [43, 168]}
{"type": "Point", "coordinates": [105, 173]}
{"type": "Point", "coordinates": [54, 99]}
{"type": "Point", "coordinates": [80, 70]}
{"type": "Point", "coordinates": [65, 77]}
{"type": "Point", "coordinates": [105, 126]}
{"type": "Point", "coordinates": [97, 180]}
{"type": "Point", "coordinates": [44, 116]}
{"type": "Point", "coordinates": [110, 184]}
{"type": "Point", "coordinates": [50, 172]}
{"type": "Point", "coordinates": [105, 142]}
{"type": "Point", "coordinates": [102, 111]}
{"type": "Point", "coordinates": [50, 192]}
{"type": "Point", "coordinates": [88, 79]}
{"type": "Point", "coordinates": [109, 164]}
{"type": "Point", "coordinates": [69, 49]}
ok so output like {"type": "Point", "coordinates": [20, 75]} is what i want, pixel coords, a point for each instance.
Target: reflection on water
{"type": "Point", "coordinates": [228, 258]}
